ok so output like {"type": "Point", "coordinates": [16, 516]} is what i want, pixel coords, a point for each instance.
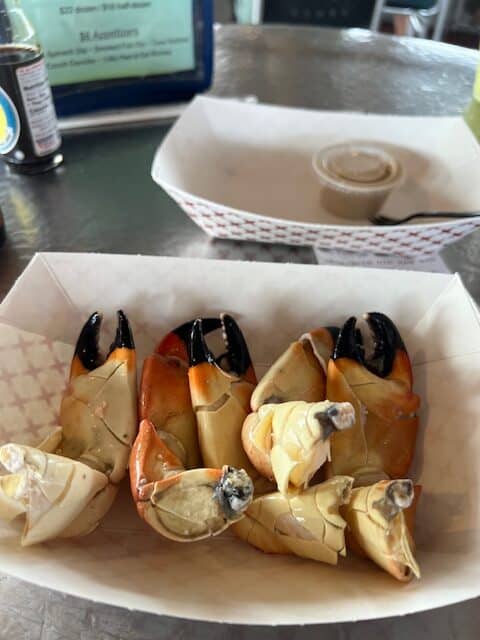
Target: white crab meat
{"type": "Point", "coordinates": [290, 441]}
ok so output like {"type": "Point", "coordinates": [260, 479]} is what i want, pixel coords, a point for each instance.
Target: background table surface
{"type": "Point", "coordinates": [103, 199]}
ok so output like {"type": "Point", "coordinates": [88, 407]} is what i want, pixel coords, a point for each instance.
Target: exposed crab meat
{"type": "Point", "coordinates": [221, 399]}
{"type": "Point", "coordinates": [165, 393]}
{"type": "Point", "coordinates": [378, 526]}
{"type": "Point", "coordinates": [381, 443]}
{"type": "Point", "coordinates": [49, 490]}
{"type": "Point", "coordinates": [300, 372]}
{"type": "Point", "coordinates": [183, 505]}
{"type": "Point", "coordinates": [306, 523]}
{"type": "Point", "coordinates": [289, 442]}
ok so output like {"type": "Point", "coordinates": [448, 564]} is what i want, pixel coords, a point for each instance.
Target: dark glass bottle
{"type": "Point", "coordinates": [29, 137]}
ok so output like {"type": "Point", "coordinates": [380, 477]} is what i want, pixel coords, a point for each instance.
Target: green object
{"type": "Point", "coordinates": [472, 114]}
{"type": "Point", "coordinates": [86, 40]}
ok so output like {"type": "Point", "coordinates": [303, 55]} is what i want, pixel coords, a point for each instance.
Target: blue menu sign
{"type": "Point", "coordinates": [94, 49]}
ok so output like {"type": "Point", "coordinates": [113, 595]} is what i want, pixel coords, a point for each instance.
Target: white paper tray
{"type": "Point", "coordinates": [244, 171]}
{"type": "Point", "coordinates": [124, 562]}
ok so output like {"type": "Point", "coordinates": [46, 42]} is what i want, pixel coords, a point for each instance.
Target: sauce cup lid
{"type": "Point", "coordinates": [360, 167]}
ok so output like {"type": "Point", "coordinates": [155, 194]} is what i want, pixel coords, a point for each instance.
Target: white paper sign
{"type": "Point", "coordinates": [431, 263]}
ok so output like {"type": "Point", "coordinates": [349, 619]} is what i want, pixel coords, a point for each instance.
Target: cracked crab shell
{"type": "Point", "coordinates": [290, 441]}
{"type": "Point", "coordinates": [307, 524]}
{"type": "Point", "coordinates": [221, 403]}
{"type": "Point", "coordinates": [299, 373]}
{"type": "Point", "coordinates": [49, 490]}
{"type": "Point", "coordinates": [388, 542]}
{"type": "Point", "coordinates": [184, 507]}
{"type": "Point", "coordinates": [99, 415]}
{"type": "Point", "coordinates": [381, 444]}
{"type": "Point", "coordinates": [165, 400]}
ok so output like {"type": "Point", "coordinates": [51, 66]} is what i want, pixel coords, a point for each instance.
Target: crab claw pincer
{"type": "Point", "coordinates": [165, 393]}
{"type": "Point", "coordinates": [381, 443]}
{"type": "Point", "coordinates": [221, 397]}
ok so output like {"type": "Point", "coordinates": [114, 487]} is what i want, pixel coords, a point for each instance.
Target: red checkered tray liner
{"type": "Point", "coordinates": [411, 240]}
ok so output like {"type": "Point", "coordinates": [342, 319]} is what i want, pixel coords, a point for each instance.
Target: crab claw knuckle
{"type": "Point", "coordinates": [289, 442]}
{"type": "Point", "coordinates": [378, 526]}
{"type": "Point", "coordinates": [234, 492]}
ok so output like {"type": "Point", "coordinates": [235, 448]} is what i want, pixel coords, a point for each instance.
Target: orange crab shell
{"type": "Point", "coordinates": [165, 400]}
{"type": "Point", "coordinates": [384, 435]}
{"type": "Point", "coordinates": [299, 373]}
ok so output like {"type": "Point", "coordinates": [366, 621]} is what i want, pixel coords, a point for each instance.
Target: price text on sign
{"type": "Point", "coordinates": [89, 40]}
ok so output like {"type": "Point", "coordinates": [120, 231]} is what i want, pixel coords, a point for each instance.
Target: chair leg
{"type": "Point", "coordinates": [420, 25]}
{"type": "Point", "coordinates": [257, 11]}
{"type": "Point", "coordinates": [376, 21]}
{"type": "Point", "coordinates": [441, 21]}
{"type": "Point", "coordinates": [415, 26]}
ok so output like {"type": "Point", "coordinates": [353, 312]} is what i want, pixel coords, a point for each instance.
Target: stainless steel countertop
{"type": "Point", "coordinates": [103, 199]}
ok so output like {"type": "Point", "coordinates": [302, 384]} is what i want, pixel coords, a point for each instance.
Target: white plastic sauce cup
{"type": "Point", "coordinates": [356, 178]}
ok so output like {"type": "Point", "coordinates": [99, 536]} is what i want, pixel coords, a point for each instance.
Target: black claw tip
{"type": "Point", "coordinates": [199, 352]}
{"type": "Point", "coordinates": [237, 355]}
{"type": "Point", "coordinates": [87, 344]}
{"type": "Point", "coordinates": [387, 341]}
{"type": "Point", "coordinates": [123, 336]}
{"type": "Point", "coordinates": [334, 332]}
{"type": "Point", "coordinates": [184, 331]}
{"type": "Point", "coordinates": [347, 345]}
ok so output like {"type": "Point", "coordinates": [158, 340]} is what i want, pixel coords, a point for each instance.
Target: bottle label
{"type": "Point", "coordinates": [38, 103]}
{"type": "Point", "coordinates": [9, 123]}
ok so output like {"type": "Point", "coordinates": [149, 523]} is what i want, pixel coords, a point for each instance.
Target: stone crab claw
{"type": "Point", "coordinates": [165, 394]}
{"type": "Point", "coordinates": [221, 398]}
{"type": "Point", "coordinates": [66, 485]}
{"type": "Point", "coordinates": [183, 505]}
{"type": "Point", "coordinates": [300, 373]}
{"type": "Point", "coordinates": [306, 523]}
{"type": "Point", "coordinates": [378, 526]}
{"type": "Point", "coordinates": [381, 443]}
{"type": "Point", "coordinates": [98, 413]}
{"type": "Point", "coordinates": [289, 442]}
